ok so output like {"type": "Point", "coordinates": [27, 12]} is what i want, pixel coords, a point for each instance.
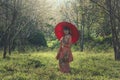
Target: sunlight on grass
{"type": "Point", "coordinates": [43, 66]}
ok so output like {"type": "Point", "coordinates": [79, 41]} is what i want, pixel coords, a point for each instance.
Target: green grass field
{"type": "Point", "coordinates": [44, 66]}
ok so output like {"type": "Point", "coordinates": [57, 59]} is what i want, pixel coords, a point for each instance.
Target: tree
{"type": "Point", "coordinates": [111, 8]}
{"type": "Point", "coordinates": [80, 12]}
{"type": "Point", "coordinates": [8, 18]}
{"type": "Point", "coordinates": [115, 25]}
{"type": "Point", "coordinates": [15, 19]}
{"type": "Point", "coordinates": [73, 11]}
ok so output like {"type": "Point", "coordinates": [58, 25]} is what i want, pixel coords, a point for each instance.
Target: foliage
{"type": "Point", "coordinates": [18, 19]}
{"type": "Point", "coordinates": [98, 44]}
{"type": "Point", "coordinates": [37, 39]}
{"type": "Point", "coordinates": [29, 23]}
{"type": "Point", "coordinates": [53, 44]}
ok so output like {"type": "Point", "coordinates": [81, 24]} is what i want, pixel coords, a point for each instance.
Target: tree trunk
{"type": "Point", "coordinates": [82, 35]}
{"type": "Point", "coordinates": [115, 38]}
{"type": "Point", "coordinates": [5, 51]}
{"type": "Point", "coordinates": [9, 42]}
{"type": "Point", "coordinates": [9, 48]}
{"type": "Point", "coordinates": [88, 32]}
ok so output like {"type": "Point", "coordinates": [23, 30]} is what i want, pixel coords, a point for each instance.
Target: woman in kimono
{"type": "Point", "coordinates": [64, 54]}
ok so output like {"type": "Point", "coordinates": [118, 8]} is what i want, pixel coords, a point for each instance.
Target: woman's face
{"type": "Point", "coordinates": [66, 31]}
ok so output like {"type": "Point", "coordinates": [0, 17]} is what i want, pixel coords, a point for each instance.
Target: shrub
{"type": "Point", "coordinates": [37, 39]}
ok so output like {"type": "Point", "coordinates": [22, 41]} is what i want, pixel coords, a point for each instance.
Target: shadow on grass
{"type": "Point", "coordinates": [34, 63]}
{"type": "Point", "coordinates": [74, 71]}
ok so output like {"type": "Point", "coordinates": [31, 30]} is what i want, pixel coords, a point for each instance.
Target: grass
{"type": "Point", "coordinates": [44, 66]}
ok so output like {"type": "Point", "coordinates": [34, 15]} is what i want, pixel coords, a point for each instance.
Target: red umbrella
{"type": "Point", "coordinates": [73, 30]}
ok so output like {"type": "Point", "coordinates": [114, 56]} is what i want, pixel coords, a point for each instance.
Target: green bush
{"type": "Point", "coordinates": [98, 44]}
{"type": "Point", "coordinates": [37, 39]}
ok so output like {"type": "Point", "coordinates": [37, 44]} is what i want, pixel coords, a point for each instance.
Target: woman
{"type": "Point", "coordinates": [64, 54]}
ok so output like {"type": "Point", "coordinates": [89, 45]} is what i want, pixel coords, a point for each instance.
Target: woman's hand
{"type": "Point", "coordinates": [56, 57]}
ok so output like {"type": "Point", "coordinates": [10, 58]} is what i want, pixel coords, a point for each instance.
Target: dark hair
{"type": "Point", "coordinates": [67, 28]}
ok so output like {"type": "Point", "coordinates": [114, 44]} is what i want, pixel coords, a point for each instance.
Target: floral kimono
{"type": "Point", "coordinates": [65, 55]}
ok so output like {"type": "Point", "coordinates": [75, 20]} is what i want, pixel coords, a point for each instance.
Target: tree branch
{"type": "Point", "coordinates": [106, 10]}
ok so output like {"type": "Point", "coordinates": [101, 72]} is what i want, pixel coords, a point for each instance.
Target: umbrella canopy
{"type": "Point", "coordinates": [73, 30]}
